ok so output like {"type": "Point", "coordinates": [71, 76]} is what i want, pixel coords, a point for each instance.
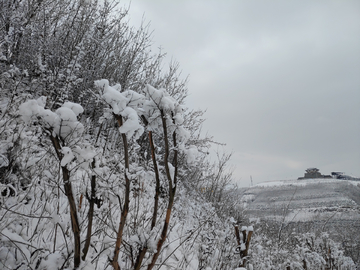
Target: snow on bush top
{"type": "Point", "coordinates": [131, 126]}
{"type": "Point", "coordinates": [130, 105]}
{"type": "Point", "coordinates": [124, 104]}
{"type": "Point", "coordinates": [63, 121]}
{"type": "Point", "coordinates": [112, 96]}
{"type": "Point", "coordinates": [76, 108]}
{"type": "Point", "coordinates": [161, 98]}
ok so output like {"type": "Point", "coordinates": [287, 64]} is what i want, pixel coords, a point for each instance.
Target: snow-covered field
{"type": "Point", "coordinates": [304, 200]}
{"type": "Point", "coordinates": [304, 182]}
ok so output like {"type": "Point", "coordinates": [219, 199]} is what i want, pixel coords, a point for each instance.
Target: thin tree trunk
{"type": "Point", "coordinates": [73, 214]}
{"type": "Point", "coordinates": [140, 257]}
{"type": "Point", "coordinates": [90, 213]}
{"type": "Point", "coordinates": [163, 232]}
{"type": "Point", "coordinates": [143, 250]}
{"type": "Point", "coordinates": [125, 209]}
{"type": "Point", "coordinates": [157, 178]}
{"type": "Point", "coordinates": [237, 234]}
{"type": "Point", "coordinates": [69, 194]}
{"type": "Point", "coordinates": [172, 189]}
{"type": "Point", "coordinates": [246, 242]}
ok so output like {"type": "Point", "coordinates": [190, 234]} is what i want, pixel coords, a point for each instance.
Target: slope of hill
{"type": "Point", "coordinates": [304, 200]}
{"type": "Point", "coordinates": [315, 206]}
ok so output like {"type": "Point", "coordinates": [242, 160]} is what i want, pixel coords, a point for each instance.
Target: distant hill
{"type": "Point", "coordinates": [282, 208]}
{"type": "Point", "coordinates": [303, 200]}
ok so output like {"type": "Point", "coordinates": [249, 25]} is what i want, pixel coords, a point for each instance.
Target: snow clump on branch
{"type": "Point", "coordinates": [161, 101]}
{"type": "Point", "coordinates": [155, 104]}
{"type": "Point", "coordinates": [63, 122]}
{"type": "Point", "coordinates": [125, 104]}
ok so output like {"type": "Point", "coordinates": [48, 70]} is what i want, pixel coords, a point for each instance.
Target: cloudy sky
{"type": "Point", "coordinates": [280, 80]}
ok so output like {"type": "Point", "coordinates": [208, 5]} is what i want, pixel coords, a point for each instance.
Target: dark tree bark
{"type": "Point", "coordinates": [171, 185]}
{"type": "Point", "coordinates": [75, 226]}
{"type": "Point", "coordinates": [91, 200]}
{"type": "Point", "coordinates": [125, 208]}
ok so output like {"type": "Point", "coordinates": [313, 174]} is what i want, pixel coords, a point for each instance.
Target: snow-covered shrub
{"type": "Point", "coordinates": [77, 160]}
{"type": "Point", "coordinates": [302, 251]}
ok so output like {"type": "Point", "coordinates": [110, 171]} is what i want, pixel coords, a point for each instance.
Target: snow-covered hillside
{"type": "Point", "coordinates": [304, 200]}
{"type": "Point", "coordinates": [284, 208]}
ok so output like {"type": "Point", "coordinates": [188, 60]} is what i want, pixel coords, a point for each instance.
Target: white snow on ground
{"type": "Point", "coordinates": [303, 182]}
{"type": "Point", "coordinates": [302, 200]}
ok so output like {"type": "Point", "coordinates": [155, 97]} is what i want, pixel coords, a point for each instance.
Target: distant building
{"type": "Point", "coordinates": [313, 173]}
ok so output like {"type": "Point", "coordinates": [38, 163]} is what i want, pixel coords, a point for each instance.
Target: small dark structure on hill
{"type": "Point", "coordinates": [313, 173]}
{"type": "Point", "coordinates": [343, 176]}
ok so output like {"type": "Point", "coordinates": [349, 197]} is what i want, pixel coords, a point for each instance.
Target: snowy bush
{"type": "Point", "coordinates": [302, 251]}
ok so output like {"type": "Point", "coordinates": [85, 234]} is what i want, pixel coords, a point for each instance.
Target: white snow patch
{"type": "Point", "coordinates": [112, 96]}
{"type": "Point", "coordinates": [131, 127]}
{"type": "Point", "coordinates": [68, 156]}
{"type": "Point", "coordinates": [76, 108]}
{"type": "Point", "coordinates": [191, 154]}
{"type": "Point", "coordinates": [172, 170]}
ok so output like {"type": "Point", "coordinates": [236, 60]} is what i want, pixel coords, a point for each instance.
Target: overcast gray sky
{"type": "Point", "coordinates": [280, 80]}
